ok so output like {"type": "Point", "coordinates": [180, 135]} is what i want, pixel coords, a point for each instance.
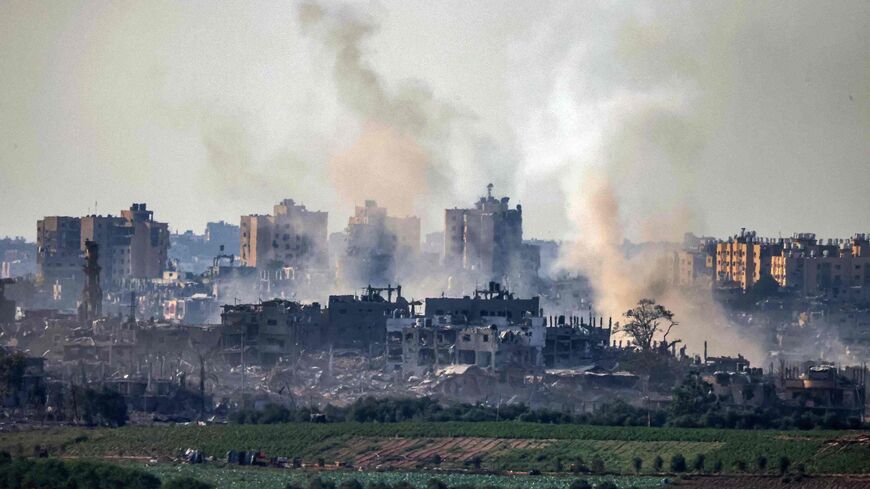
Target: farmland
{"type": "Point", "coordinates": [505, 446]}
{"type": "Point", "coordinates": [240, 477]}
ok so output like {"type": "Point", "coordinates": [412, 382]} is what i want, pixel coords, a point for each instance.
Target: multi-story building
{"type": "Point", "coordinates": [132, 246]}
{"type": "Point", "coordinates": [810, 268]}
{"type": "Point", "coordinates": [695, 263]}
{"type": "Point", "coordinates": [59, 253]}
{"type": "Point", "coordinates": [293, 237]}
{"type": "Point", "coordinates": [376, 243]}
{"type": "Point", "coordinates": [361, 320]}
{"type": "Point", "coordinates": [487, 239]}
{"type": "Point", "coordinates": [486, 305]}
{"type": "Point", "coordinates": [264, 333]}
{"type": "Point", "coordinates": [224, 234]}
{"type": "Point", "coordinates": [744, 259]}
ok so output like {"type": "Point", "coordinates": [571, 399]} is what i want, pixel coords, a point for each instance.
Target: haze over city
{"type": "Point", "coordinates": [434, 245]}
{"type": "Point", "coordinates": [699, 114]}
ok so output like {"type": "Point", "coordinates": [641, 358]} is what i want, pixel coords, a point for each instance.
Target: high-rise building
{"type": "Point", "coordinates": [292, 237]}
{"type": "Point", "coordinates": [486, 239]}
{"type": "Point", "coordinates": [376, 243]}
{"type": "Point", "coordinates": [132, 245]}
{"type": "Point", "coordinates": [59, 253]}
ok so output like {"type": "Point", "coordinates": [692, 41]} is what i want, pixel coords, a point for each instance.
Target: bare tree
{"type": "Point", "coordinates": [645, 321]}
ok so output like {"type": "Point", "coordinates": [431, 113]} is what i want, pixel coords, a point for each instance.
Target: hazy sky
{"type": "Point", "coordinates": [713, 116]}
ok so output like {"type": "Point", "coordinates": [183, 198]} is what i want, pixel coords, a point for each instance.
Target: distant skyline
{"type": "Point", "coordinates": [703, 117]}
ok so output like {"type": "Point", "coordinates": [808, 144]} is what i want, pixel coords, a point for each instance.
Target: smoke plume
{"type": "Point", "coordinates": [411, 149]}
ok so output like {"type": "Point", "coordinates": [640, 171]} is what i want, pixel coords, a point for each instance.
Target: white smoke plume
{"type": "Point", "coordinates": [623, 127]}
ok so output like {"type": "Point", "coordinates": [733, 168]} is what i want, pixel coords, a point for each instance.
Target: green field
{"type": "Point", "coordinates": [821, 452]}
{"type": "Point", "coordinates": [240, 477]}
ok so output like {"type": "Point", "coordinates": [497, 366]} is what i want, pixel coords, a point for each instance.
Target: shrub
{"type": "Point", "coordinates": [186, 483]}
{"type": "Point", "coordinates": [597, 465]}
{"type": "Point", "coordinates": [658, 463]}
{"type": "Point", "coordinates": [761, 463]}
{"type": "Point", "coordinates": [784, 464]}
{"type": "Point", "coordinates": [637, 463]}
{"type": "Point", "coordinates": [678, 463]}
{"type": "Point", "coordinates": [698, 462]}
{"type": "Point", "coordinates": [350, 484]}
{"type": "Point", "coordinates": [580, 484]}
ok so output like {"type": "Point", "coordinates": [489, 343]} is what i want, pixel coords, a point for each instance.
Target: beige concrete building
{"type": "Point", "coordinates": [132, 246]}
{"type": "Point", "coordinates": [743, 259]}
{"type": "Point", "coordinates": [813, 268]}
{"type": "Point", "coordinates": [292, 236]}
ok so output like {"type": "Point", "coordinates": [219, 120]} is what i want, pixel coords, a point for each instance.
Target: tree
{"type": "Point", "coordinates": [761, 463]}
{"type": "Point", "coordinates": [698, 462]}
{"type": "Point", "coordinates": [645, 321]}
{"type": "Point", "coordinates": [692, 397]}
{"type": "Point", "coordinates": [784, 464]}
{"type": "Point", "coordinates": [637, 463]}
{"type": "Point", "coordinates": [678, 463]}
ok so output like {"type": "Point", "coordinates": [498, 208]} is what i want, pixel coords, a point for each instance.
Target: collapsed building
{"type": "Point", "coordinates": [360, 321]}
{"type": "Point", "coordinates": [824, 387]}
{"type": "Point", "coordinates": [265, 333]}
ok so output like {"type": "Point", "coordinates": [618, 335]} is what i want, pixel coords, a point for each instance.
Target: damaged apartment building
{"type": "Point", "coordinates": [486, 241]}
{"type": "Point", "coordinates": [133, 246]}
{"type": "Point", "coordinates": [377, 246]}
{"type": "Point", "coordinates": [492, 330]}
{"type": "Point", "coordinates": [289, 241]}
{"type": "Point", "coordinates": [267, 332]}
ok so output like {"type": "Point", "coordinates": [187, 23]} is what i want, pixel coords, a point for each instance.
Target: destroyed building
{"type": "Point", "coordinates": [195, 252]}
{"type": "Point", "coordinates": [823, 387]}
{"type": "Point", "coordinates": [487, 240]}
{"type": "Point", "coordinates": [267, 332]}
{"type": "Point", "coordinates": [360, 321]}
{"type": "Point", "coordinates": [133, 246]}
{"type": "Point", "coordinates": [492, 302]}
{"type": "Point", "coordinates": [573, 341]}
{"type": "Point", "coordinates": [292, 237]}
{"type": "Point", "coordinates": [376, 245]}
{"type": "Point", "coordinates": [433, 343]}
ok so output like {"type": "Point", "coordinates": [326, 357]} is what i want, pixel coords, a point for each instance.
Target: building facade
{"type": "Point", "coordinates": [292, 236]}
{"type": "Point", "coordinates": [377, 245]}
{"type": "Point", "coordinates": [486, 239]}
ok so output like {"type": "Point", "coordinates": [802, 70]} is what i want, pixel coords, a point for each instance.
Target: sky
{"type": "Point", "coordinates": [702, 116]}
